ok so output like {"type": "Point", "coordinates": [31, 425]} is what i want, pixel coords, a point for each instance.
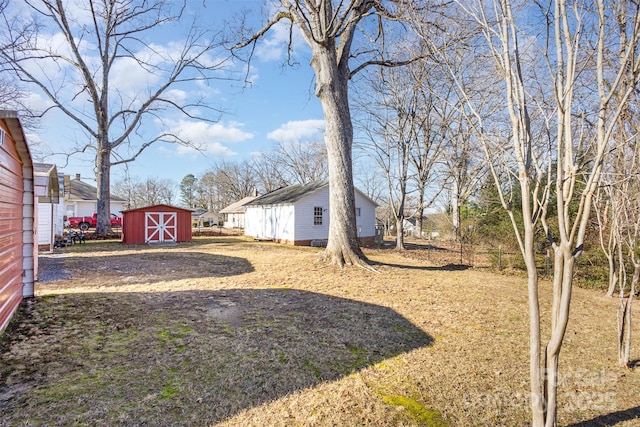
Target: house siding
{"type": "Point", "coordinates": [234, 220]}
{"type": "Point", "coordinates": [305, 230]}
{"type": "Point", "coordinates": [274, 222]}
{"type": "Point", "coordinates": [366, 222]}
{"type": "Point", "coordinates": [18, 259]}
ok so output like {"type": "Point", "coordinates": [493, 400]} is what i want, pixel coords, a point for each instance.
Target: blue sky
{"type": "Point", "coordinates": [278, 105]}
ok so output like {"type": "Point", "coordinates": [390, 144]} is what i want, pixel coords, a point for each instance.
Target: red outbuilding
{"type": "Point", "coordinates": [156, 224]}
{"type": "Point", "coordinates": [18, 249]}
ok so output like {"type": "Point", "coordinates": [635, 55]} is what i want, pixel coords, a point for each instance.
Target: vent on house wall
{"type": "Point", "coordinates": [1, 137]}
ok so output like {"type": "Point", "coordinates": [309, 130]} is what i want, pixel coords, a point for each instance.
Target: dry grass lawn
{"type": "Point", "coordinates": [227, 331]}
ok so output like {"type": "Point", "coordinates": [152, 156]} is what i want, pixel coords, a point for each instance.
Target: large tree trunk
{"type": "Point", "coordinates": [528, 252]}
{"type": "Point", "coordinates": [332, 90]}
{"type": "Point", "coordinates": [400, 233]}
{"type": "Point", "coordinates": [624, 318]}
{"type": "Point", "coordinates": [613, 272]}
{"type": "Point", "coordinates": [103, 172]}
{"type": "Point", "coordinates": [420, 219]}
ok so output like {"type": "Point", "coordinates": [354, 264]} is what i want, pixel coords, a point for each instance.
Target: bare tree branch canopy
{"type": "Point", "coordinates": [579, 113]}
{"type": "Point", "coordinates": [81, 72]}
{"type": "Point", "coordinates": [329, 28]}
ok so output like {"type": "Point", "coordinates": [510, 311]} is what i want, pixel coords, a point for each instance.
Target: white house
{"type": "Point", "coordinates": [233, 215]}
{"type": "Point", "coordinates": [299, 214]}
{"type": "Point", "coordinates": [50, 210]}
{"type": "Point", "coordinates": [81, 199]}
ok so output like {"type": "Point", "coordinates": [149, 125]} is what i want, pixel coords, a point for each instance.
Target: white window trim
{"type": "Point", "coordinates": [315, 216]}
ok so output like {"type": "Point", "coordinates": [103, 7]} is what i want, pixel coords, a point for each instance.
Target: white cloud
{"type": "Point", "coordinates": [273, 46]}
{"type": "Point", "coordinates": [129, 78]}
{"type": "Point", "coordinates": [37, 102]}
{"type": "Point", "coordinates": [212, 138]}
{"type": "Point", "coordinates": [176, 95]}
{"type": "Point", "coordinates": [298, 130]}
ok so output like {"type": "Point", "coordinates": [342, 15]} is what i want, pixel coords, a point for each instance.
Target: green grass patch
{"type": "Point", "coordinates": [418, 412]}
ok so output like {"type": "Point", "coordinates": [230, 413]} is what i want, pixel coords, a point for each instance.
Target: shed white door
{"type": "Point", "coordinates": [160, 226]}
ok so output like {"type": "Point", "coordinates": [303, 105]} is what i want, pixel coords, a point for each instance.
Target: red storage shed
{"type": "Point", "coordinates": [18, 252]}
{"type": "Point", "coordinates": [156, 224]}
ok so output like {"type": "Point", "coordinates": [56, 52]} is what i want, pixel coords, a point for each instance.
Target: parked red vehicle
{"type": "Point", "coordinates": [86, 222]}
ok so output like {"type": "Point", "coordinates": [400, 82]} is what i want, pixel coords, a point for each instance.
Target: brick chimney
{"type": "Point", "coordinates": [78, 176]}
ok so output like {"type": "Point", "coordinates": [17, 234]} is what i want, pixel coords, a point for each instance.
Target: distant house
{"type": "Point", "coordinates": [233, 215]}
{"type": "Point", "coordinates": [50, 208]}
{"type": "Point", "coordinates": [200, 217]}
{"type": "Point", "coordinates": [299, 214]}
{"type": "Point", "coordinates": [409, 226]}
{"type": "Point", "coordinates": [81, 199]}
{"type": "Point", "coordinates": [18, 251]}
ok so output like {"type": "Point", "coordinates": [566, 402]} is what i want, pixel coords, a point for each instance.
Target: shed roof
{"type": "Point", "coordinates": [237, 207]}
{"type": "Point", "coordinates": [46, 177]}
{"type": "Point", "coordinates": [146, 208]}
{"type": "Point", "coordinates": [17, 132]}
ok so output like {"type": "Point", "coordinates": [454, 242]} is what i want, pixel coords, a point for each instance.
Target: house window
{"type": "Point", "coordinates": [317, 215]}
{"type": "Point", "coordinates": [1, 137]}
{"type": "Point", "coordinates": [357, 211]}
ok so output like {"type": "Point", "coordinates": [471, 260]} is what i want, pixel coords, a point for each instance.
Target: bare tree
{"type": "Point", "coordinates": [427, 154]}
{"type": "Point", "coordinates": [303, 162]}
{"type": "Point", "coordinates": [207, 194]}
{"type": "Point", "coordinates": [559, 163]}
{"type": "Point", "coordinates": [624, 195]}
{"type": "Point", "coordinates": [618, 199]}
{"type": "Point", "coordinates": [99, 36]}
{"type": "Point", "coordinates": [148, 192]}
{"type": "Point", "coordinates": [329, 28]}
{"type": "Point", "coordinates": [393, 111]}
{"type": "Point", "coordinates": [234, 181]}
{"type": "Point", "coordinates": [268, 172]}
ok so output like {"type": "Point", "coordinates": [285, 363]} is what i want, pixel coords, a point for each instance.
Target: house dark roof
{"type": "Point", "coordinates": [83, 191]}
{"type": "Point", "coordinates": [290, 194]}
{"type": "Point", "coordinates": [237, 207]}
{"type": "Point", "coordinates": [294, 193]}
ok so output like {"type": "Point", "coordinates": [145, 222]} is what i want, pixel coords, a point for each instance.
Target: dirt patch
{"type": "Point", "coordinates": [229, 331]}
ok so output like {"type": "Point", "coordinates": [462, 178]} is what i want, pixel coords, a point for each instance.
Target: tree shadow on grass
{"type": "Point", "coordinates": [447, 267]}
{"type": "Point", "coordinates": [610, 419]}
{"type": "Point", "coordinates": [141, 267]}
{"type": "Point", "coordinates": [184, 358]}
